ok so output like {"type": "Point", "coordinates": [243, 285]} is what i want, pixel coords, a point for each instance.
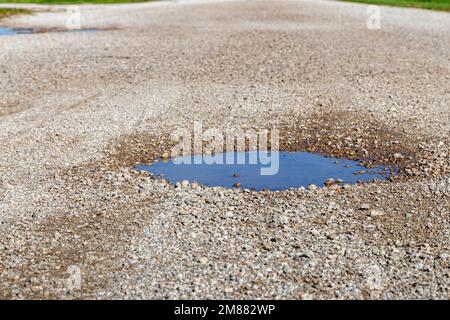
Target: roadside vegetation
{"type": "Point", "coordinates": [69, 1]}
{"type": "Point", "coordinates": [443, 5]}
{"type": "Point", "coordinates": [5, 12]}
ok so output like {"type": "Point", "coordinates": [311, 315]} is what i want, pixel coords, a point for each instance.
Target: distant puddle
{"type": "Point", "coordinates": [295, 169]}
{"type": "Point", "coordinates": [13, 31]}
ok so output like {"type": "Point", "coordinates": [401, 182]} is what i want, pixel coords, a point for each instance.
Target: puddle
{"type": "Point", "coordinates": [12, 31]}
{"type": "Point", "coordinates": [295, 169]}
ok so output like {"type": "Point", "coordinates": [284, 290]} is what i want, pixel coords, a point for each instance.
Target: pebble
{"type": "Point", "coordinates": [165, 156]}
{"type": "Point", "coordinates": [184, 183]}
{"type": "Point", "coordinates": [364, 206]}
{"type": "Point", "coordinates": [329, 182]}
{"type": "Point", "coordinates": [376, 213]}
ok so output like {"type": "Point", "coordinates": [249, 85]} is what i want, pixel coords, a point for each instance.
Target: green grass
{"type": "Point", "coordinates": [443, 5]}
{"type": "Point", "coordinates": [6, 12]}
{"type": "Point", "coordinates": [68, 1]}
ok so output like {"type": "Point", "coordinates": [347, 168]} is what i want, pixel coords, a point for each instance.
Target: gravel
{"type": "Point", "coordinates": [78, 110]}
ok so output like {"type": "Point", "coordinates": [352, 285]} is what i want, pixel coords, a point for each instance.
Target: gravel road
{"type": "Point", "coordinates": [79, 109]}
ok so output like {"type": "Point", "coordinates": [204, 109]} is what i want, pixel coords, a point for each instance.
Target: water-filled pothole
{"type": "Point", "coordinates": [15, 31]}
{"type": "Point", "coordinates": [11, 31]}
{"type": "Point", "coordinates": [291, 170]}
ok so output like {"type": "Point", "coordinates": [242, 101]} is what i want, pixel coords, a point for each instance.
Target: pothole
{"type": "Point", "coordinates": [265, 170]}
{"type": "Point", "coordinates": [17, 31]}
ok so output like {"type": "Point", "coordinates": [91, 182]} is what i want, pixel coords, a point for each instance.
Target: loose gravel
{"type": "Point", "coordinates": [78, 110]}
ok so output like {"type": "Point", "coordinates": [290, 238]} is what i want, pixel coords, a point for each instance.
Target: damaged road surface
{"type": "Point", "coordinates": [79, 110]}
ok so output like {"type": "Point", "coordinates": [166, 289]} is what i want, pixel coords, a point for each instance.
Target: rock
{"type": "Point", "coordinates": [398, 156]}
{"type": "Point", "coordinates": [228, 290]}
{"type": "Point", "coordinates": [376, 213]}
{"type": "Point", "coordinates": [184, 183]}
{"type": "Point", "coordinates": [195, 185]}
{"type": "Point", "coordinates": [444, 256]}
{"type": "Point", "coordinates": [329, 182]}
{"type": "Point", "coordinates": [364, 206]}
{"type": "Point", "coordinates": [331, 236]}
{"type": "Point", "coordinates": [312, 187]}
{"type": "Point", "coordinates": [305, 296]}
{"type": "Point", "coordinates": [203, 260]}
{"type": "Point", "coordinates": [283, 220]}
{"type": "Point", "coordinates": [165, 156]}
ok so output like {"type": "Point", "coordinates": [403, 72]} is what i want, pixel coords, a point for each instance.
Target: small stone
{"type": "Point", "coordinates": [305, 296]}
{"type": "Point", "coordinates": [312, 187]}
{"type": "Point", "coordinates": [283, 220]}
{"type": "Point", "coordinates": [398, 156]}
{"type": "Point", "coordinates": [329, 182]}
{"type": "Point", "coordinates": [203, 260]}
{"type": "Point", "coordinates": [228, 290]}
{"type": "Point", "coordinates": [418, 266]}
{"type": "Point", "coordinates": [165, 155]}
{"type": "Point", "coordinates": [364, 206]}
{"type": "Point", "coordinates": [331, 236]}
{"type": "Point", "coordinates": [195, 185]}
{"type": "Point", "coordinates": [444, 256]}
{"type": "Point", "coordinates": [376, 213]}
{"type": "Point", "coordinates": [184, 183]}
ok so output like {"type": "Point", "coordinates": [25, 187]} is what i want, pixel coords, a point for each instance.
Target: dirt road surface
{"type": "Point", "coordinates": [79, 109]}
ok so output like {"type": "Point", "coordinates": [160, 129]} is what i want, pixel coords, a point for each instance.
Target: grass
{"type": "Point", "coordinates": [68, 1]}
{"type": "Point", "coordinates": [6, 12]}
{"type": "Point", "coordinates": [443, 5]}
